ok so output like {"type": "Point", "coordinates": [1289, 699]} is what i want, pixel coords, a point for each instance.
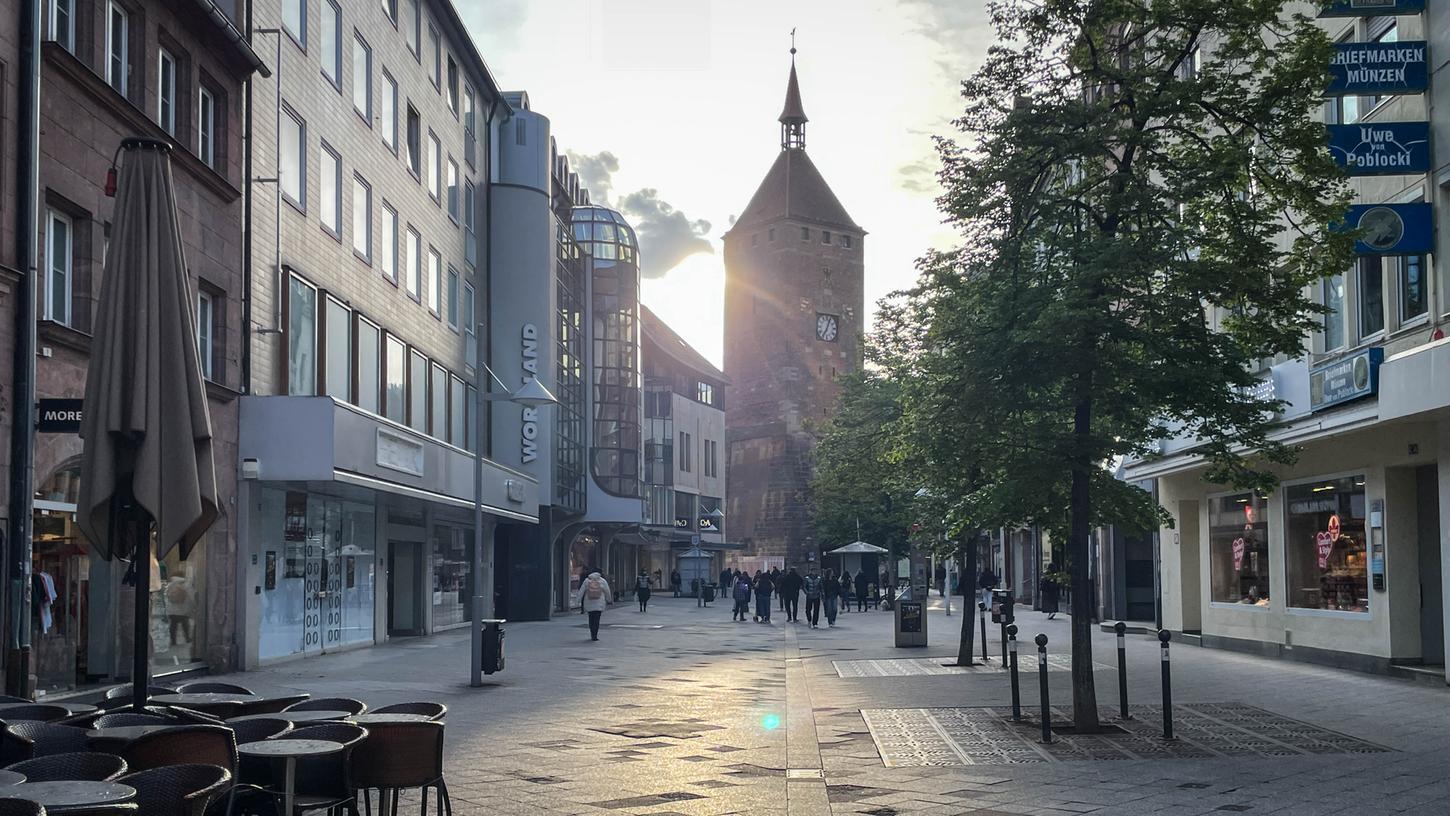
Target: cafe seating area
{"type": "Point", "coordinates": [218, 749]}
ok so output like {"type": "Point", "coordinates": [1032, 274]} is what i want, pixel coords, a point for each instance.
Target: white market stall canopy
{"type": "Point", "coordinates": [858, 548]}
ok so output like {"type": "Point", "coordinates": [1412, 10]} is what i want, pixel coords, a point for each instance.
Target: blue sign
{"type": "Point", "coordinates": [1390, 229]}
{"type": "Point", "coordinates": [1378, 68]}
{"type": "Point", "coordinates": [1372, 8]}
{"type": "Point", "coordinates": [1345, 379]}
{"type": "Point", "coordinates": [1381, 148]}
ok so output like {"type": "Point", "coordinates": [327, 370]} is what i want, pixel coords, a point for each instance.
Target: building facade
{"type": "Point", "coordinates": [374, 143]}
{"type": "Point", "coordinates": [1343, 562]}
{"type": "Point", "coordinates": [794, 306]}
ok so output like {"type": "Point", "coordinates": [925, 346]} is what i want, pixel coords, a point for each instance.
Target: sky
{"type": "Point", "coordinates": [668, 109]}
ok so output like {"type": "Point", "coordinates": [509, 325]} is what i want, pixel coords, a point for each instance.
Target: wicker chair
{"type": "Point", "coordinates": [402, 756]}
{"type": "Point", "coordinates": [272, 705]}
{"type": "Point", "coordinates": [186, 715]}
{"type": "Point", "coordinates": [120, 696]}
{"type": "Point", "coordinates": [433, 711]}
{"type": "Point", "coordinates": [183, 745]}
{"type": "Point", "coordinates": [325, 782]}
{"type": "Point", "coordinates": [20, 807]}
{"type": "Point", "coordinates": [347, 704]}
{"type": "Point", "coordinates": [212, 687]}
{"type": "Point", "coordinates": [34, 712]}
{"type": "Point", "coordinates": [257, 770]}
{"type": "Point", "coordinates": [6, 698]}
{"type": "Point", "coordinates": [124, 718]}
{"type": "Point", "coordinates": [23, 740]}
{"type": "Point", "coordinates": [87, 766]}
{"type": "Point", "coordinates": [178, 790]}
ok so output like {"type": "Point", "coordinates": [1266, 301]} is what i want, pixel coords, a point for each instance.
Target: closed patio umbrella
{"type": "Point", "coordinates": [147, 431]}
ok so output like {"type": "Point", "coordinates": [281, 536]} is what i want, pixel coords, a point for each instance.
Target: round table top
{"type": "Point", "coordinates": [125, 732]}
{"type": "Point", "coordinates": [388, 717]}
{"type": "Point", "coordinates": [202, 698]}
{"type": "Point", "coordinates": [63, 797]}
{"type": "Point", "coordinates": [296, 716]}
{"type": "Point", "coordinates": [73, 708]}
{"type": "Point", "coordinates": [11, 777]}
{"type": "Point", "coordinates": [289, 748]}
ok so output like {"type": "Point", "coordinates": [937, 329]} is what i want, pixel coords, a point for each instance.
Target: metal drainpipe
{"type": "Point", "coordinates": [22, 395]}
{"type": "Point", "coordinates": [485, 443]}
{"type": "Point", "coordinates": [247, 210]}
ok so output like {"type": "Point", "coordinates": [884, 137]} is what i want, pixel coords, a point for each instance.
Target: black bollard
{"type": "Point", "coordinates": [1012, 670]}
{"type": "Point", "coordinates": [982, 613]}
{"type": "Point", "coordinates": [1006, 620]}
{"type": "Point", "coordinates": [1042, 686]}
{"type": "Point", "coordinates": [1163, 636]}
{"type": "Point", "coordinates": [1121, 628]}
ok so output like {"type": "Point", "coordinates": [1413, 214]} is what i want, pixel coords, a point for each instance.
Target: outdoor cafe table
{"type": "Point", "coordinates": [116, 737]}
{"type": "Point", "coordinates": [11, 778]}
{"type": "Point", "coordinates": [201, 699]}
{"type": "Point", "coordinates": [72, 708]}
{"type": "Point", "coordinates": [289, 750]}
{"type": "Point", "coordinates": [386, 717]}
{"type": "Point", "coordinates": [73, 797]}
{"type": "Point", "coordinates": [295, 717]}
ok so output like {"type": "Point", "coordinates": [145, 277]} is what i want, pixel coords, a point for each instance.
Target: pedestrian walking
{"type": "Point", "coordinates": [846, 590]}
{"type": "Point", "coordinates": [593, 598]}
{"type": "Point", "coordinates": [1050, 591]}
{"type": "Point", "coordinates": [941, 580]}
{"type": "Point", "coordinates": [675, 582]}
{"type": "Point", "coordinates": [763, 588]}
{"type": "Point", "coordinates": [727, 580]}
{"type": "Point", "coordinates": [862, 590]}
{"type": "Point", "coordinates": [811, 584]}
{"type": "Point", "coordinates": [790, 591]}
{"type": "Point", "coordinates": [641, 590]}
{"type": "Point", "coordinates": [776, 577]}
{"type": "Point", "coordinates": [830, 592]}
{"type": "Point", "coordinates": [986, 582]}
{"type": "Point", "coordinates": [740, 592]}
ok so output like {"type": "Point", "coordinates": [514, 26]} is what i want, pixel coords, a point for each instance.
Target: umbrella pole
{"type": "Point", "coordinates": [141, 645]}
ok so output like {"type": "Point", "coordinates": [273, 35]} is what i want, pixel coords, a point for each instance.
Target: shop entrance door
{"type": "Point", "coordinates": [1432, 593]}
{"type": "Point", "coordinates": [405, 565]}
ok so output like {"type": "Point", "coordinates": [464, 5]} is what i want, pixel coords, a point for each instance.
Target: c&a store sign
{"type": "Point", "coordinates": [1378, 68]}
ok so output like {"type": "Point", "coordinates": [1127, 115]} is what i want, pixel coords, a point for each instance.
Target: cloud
{"type": "Point", "coordinates": [918, 176]}
{"type": "Point", "coordinates": [494, 25]}
{"type": "Point", "coordinates": [667, 236]}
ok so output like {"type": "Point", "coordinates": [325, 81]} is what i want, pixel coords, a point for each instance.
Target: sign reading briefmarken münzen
{"type": "Point", "coordinates": [1381, 148]}
{"type": "Point", "coordinates": [1379, 68]}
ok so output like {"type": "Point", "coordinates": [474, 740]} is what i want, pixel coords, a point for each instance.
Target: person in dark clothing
{"type": "Point", "coordinates": [830, 593]}
{"type": "Point", "coordinates": [641, 590]}
{"type": "Point", "coordinates": [1049, 591]}
{"type": "Point", "coordinates": [986, 582]}
{"type": "Point", "coordinates": [675, 582]}
{"type": "Point", "coordinates": [863, 588]}
{"type": "Point", "coordinates": [727, 580]}
{"type": "Point", "coordinates": [776, 577]}
{"type": "Point", "coordinates": [790, 591]}
{"type": "Point", "coordinates": [812, 586]}
{"type": "Point", "coordinates": [941, 580]}
{"type": "Point", "coordinates": [846, 590]}
{"type": "Point", "coordinates": [763, 587]}
{"type": "Point", "coordinates": [740, 592]}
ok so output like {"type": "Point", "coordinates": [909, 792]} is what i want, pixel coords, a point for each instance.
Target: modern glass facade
{"type": "Point", "coordinates": [569, 490]}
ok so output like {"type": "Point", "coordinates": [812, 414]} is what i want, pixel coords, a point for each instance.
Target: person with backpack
{"type": "Point", "coordinates": [763, 587]}
{"type": "Point", "coordinates": [641, 590]}
{"type": "Point", "coordinates": [741, 593]}
{"type": "Point", "coordinates": [846, 590]}
{"type": "Point", "coordinates": [830, 593]}
{"type": "Point", "coordinates": [790, 590]}
{"type": "Point", "coordinates": [594, 596]}
{"type": "Point", "coordinates": [811, 584]}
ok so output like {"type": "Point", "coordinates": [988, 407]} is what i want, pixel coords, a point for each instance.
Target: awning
{"type": "Point", "coordinates": [859, 548]}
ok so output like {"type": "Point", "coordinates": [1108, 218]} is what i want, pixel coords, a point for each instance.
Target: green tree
{"type": "Point", "coordinates": [1145, 197]}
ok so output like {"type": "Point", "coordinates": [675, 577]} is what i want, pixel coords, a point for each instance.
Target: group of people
{"type": "Point", "coordinates": [822, 592]}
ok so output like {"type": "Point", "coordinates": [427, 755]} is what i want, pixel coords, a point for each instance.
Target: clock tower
{"type": "Point", "coordinates": [793, 321]}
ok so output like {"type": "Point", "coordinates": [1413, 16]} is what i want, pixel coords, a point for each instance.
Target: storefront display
{"type": "Point", "coordinates": [450, 575]}
{"type": "Point", "coordinates": [1325, 545]}
{"type": "Point", "coordinates": [1238, 551]}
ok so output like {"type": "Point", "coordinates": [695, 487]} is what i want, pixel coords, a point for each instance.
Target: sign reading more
{"type": "Point", "coordinates": [1378, 68]}
{"type": "Point", "coordinates": [58, 415]}
{"type": "Point", "coordinates": [1381, 148]}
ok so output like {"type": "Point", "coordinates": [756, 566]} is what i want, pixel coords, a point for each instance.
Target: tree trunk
{"type": "Point", "coordinates": [969, 618]}
{"type": "Point", "coordinates": [1084, 695]}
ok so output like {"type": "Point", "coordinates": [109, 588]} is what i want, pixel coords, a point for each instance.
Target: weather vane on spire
{"type": "Point", "coordinates": [792, 42]}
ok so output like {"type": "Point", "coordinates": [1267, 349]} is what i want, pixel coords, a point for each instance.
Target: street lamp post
{"type": "Point", "coordinates": [531, 394]}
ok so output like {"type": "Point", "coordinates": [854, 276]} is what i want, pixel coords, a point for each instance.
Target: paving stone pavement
{"type": "Point", "coordinates": [682, 711]}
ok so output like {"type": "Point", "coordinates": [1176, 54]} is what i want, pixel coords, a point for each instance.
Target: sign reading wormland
{"type": "Point", "coordinates": [1381, 148]}
{"type": "Point", "coordinates": [1378, 68]}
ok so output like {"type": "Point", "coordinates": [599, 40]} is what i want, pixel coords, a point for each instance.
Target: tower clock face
{"type": "Point", "coordinates": [828, 327]}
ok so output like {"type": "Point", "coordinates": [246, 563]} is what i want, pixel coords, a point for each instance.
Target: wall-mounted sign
{"type": "Point", "coordinates": [682, 523]}
{"type": "Point", "coordinates": [1378, 68]}
{"type": "Point", "coordinates": [707, 525]}
{"type": "Point", "coordinates": [58, 415]}
{"type": "Point", "coordinates": [1381, 148]}
{"type": "Point", "coordinates": [1371, 8]}
{"type": "Point", "coordinates": [529, 424]}
{"type": "Point", "coordinates": [1345, 379]}
{"type": "Point", "coordinates": [1391, 229]}
{"type": "Point", "coordinates": [399, 452]}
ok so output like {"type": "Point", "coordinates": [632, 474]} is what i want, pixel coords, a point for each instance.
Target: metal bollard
{"type": "Point", "coordinates": [1042, 686]}
{"type": "Point", "coordinates": [982, 614]}
{"type": "Point", "coordinates": [1012, 670]}
{"type": "Point", "coordinates": [1121, 628]}
{"type": "Point", "coordinates": [1163, 636]}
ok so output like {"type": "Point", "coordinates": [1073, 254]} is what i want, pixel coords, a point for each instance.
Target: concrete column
{"type": "Point", "coordinates": [1443, 463]}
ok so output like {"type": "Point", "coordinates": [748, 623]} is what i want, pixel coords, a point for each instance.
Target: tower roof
{"type": "Point", "coordinates": [794, 188]}
{"type": "Point", "coordinates": [794, 112]}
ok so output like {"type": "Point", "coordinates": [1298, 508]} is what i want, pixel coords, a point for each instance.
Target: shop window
{"type": "Point", "coordinates": [1371, 282]}
{"type": "Point", "coordinates": [1414, 297]}
{"type": "Point", "coordinates": [301, 338]}
{"type": "Point", "coordinates": [1238, 549]}
{"type": "Point", "coordinates": [1325, 545]}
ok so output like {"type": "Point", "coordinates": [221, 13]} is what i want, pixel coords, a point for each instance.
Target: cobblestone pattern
{"type": "Point", "coordinates": [913, 667]}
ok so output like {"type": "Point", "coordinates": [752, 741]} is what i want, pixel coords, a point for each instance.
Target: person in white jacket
{"type": "Point", "coordinates": [594, 595]}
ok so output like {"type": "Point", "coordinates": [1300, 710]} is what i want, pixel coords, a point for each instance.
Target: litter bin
{"type": "Point", "coordinates": [492, 645]}
{"type": "Point", "coordinates": [1002, 606]}
{"type": "Point", "coordinates": [709, 593]}
{"type": "Point", "coordinates": [910, 618]}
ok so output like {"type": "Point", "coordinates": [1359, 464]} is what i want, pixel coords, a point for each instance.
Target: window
{"type": "Point", "coordinates": [301, 338]}
{"type": "Point", "coordinates": [368, 364]}
{"type": "Point", "coordinates": [684, 452]}
{"type": "Point", "coordinates": [362, 78]}
{"type": "Point", "coordinates": [395, 369]}
{"type": "Point", "coordinates": [457, 413]}
{"type": "Point", "coordinates": [337, 346]}
{"type": "Point", "coordinates": [413, 265]}
{"type": "Point", "coordinates": [205, 318]}
{"type": "Point", "coordinates": [435, 167]}
{"type": "Point", "coordinates": [388, 244]}
{"type": "Point", "coordinates": [1371, 281]}
{"type": "Point", "coordinates": [705, 392]}
{"type": "Point", "coordinates": [1238, 549]}
{"type": "Point", "coordinates": [166, 91]}
{"type": "Point", "coordinates": [469, 321]}
{"type": "Point", "coordinates": [415, 143]}
{"type": "Point", "coordinates": [118, 48]}
{"type": "Point", "coordinates": [1325, 545]}
{"type": "Point", "coordinates": [330, 182]}
{"type": "Point", "coordinates": [1414, 298]}
{"type": "Point", "coordinates": [388, 119]}
{"type": "Point", "coordinates": [63, 24]}
{"type": "Point", "coordinates": [293, 166]}
{"type": "Point", "coordinates": [846, 241]}
{"type": "Point", "coordinates": [1334, 312]}
{"type": "Point", "coordinates": [453, 202]}
{"type": "Point", "coordinates": [805, 233]}
{"type": "Point", "coordinates": [206, 127]}
{"type": "Point", "coordinates": [1344, 110]}
{"type": "Point", "coordinates": [469, 106]}
{"type": "Point", "coordinates": [825, 236]}
{"type": "Point", "coordinates": [1190, 66]}
{"type": "Point", "coordinates": [332, 42]}
{"type": "Point", "coordinates": [470, 241]}
{"type": "Point", "coordinates": [452, 85]}
{"type": "Point", "coordinates": [417, 391]}
{"type": "Point", "coordinates": [451, 307]}
{"type": "Point", "coordinates": [438, 404]}
{"type": "Point", "coordinates": [390, 8]}
{"type": "Point", "coordinates": [412, 22]}
{"type": "Point", "coordinates": [60, 246]}
{"type": "Point", "coordinates": [1382, 30]}
{"type": "Point", "coordinates": [362, 218]}
{"type": "Point", "coordinates": [294, 20]}
{"type": "Point", "coordinates": [435, 68]}
{"type": "Point", "coordinates": [435, 280]}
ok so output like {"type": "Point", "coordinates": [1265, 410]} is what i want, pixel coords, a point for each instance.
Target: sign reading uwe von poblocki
{"type": "Point", "coordinates": [1378, 68]}
{"type": "Point", "coordinates": [1381, 148]}
{"type": "Point", "coordinates": [1391, 229]}
{"type": "Point", "coordinates": [1371, 8]}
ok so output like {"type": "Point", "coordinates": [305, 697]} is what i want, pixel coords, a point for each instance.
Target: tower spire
{"type": "Point", "coordinates": [793, 117]}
